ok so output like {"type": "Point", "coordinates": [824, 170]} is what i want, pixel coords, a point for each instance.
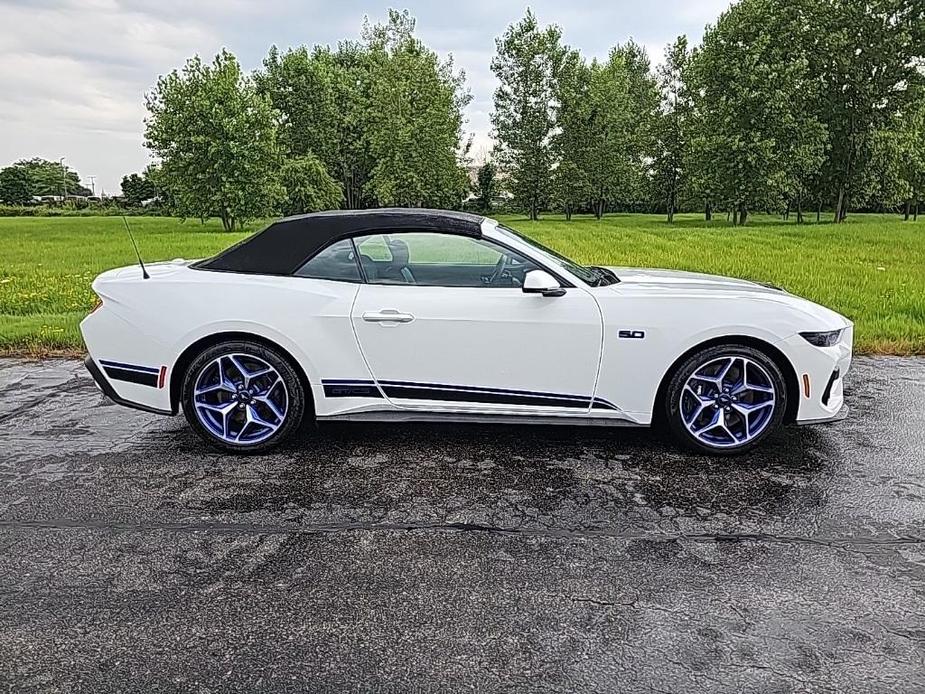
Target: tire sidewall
{"type": "Point", "coordinates": [283, 366]}
{"type": "Point", "coordinates": [672, 405]}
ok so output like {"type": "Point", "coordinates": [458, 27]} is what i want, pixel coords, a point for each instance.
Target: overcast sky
{"type": "Point", "coordinates": [73, 73]}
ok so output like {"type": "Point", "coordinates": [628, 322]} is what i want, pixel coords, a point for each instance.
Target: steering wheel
{"type": "Point", "coordinates": [498, 272]}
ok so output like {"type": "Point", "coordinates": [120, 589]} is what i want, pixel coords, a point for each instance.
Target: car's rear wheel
{"type": "Point", "coordinates": [242, 396]}
{"type": "Point", "coordinates": [725, 399]}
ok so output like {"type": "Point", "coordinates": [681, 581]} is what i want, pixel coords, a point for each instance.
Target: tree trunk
{"type": "Point", "coordinates": [708, 212]}
{"type": "Point", "coordinates": [671, 208]}
{"type": "Point", "coordinates": [787, 211]}
{"type": "Point", "coordinates": [735, 216]}
{"type": "Point", "coordinates": [818, 212]}
{"type": "Point", "coordinates": [839, 203]}
{"type": "Point", "coordinates": [568, 213]}
{"type": "Point", "coordinates": [915, 212]}
{"type": "Point", "coordinates": [908, 210]}
{"type": "Point", "coordinates": [743, 215]}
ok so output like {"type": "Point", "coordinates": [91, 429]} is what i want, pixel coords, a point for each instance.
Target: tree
{"type": "Point", "coordinates": [754, 136]}
{"type": "Point", "coordinates": [670, 141]}
{"type": "Point", "coordinates": [51, 178]}
{"type": "Point", "coordinates": [309, 186]}
{"type": "Point", "coordinates": [866, 55]}
{"type": "Point", "coordinates": [526, 64]}
{"type": "Point", "coordinates": [321, 96]}
{"type": "Point", "coordinates": [216, 139]}
{"type": "Point", "coordinates": [569, 187]}
{"type": "Point", "coordinates": [897, 177]}
{"type": "Point", "coordinates": [384, 114]}
{"type": "Point", "coordinates": [14, 186]}
{"type": "Point", "coordinates": [136, 189]}
{"type": "Point", "coordinates": [414, 117]}
{"type": "Point", "coordinates": [609, 136]}
{"type": "Point", "coordinates": [639, 117]}
{"type": "Point", "coordinates": [486, 189]}
{"type": "Point", "coordinates": [573, 139]}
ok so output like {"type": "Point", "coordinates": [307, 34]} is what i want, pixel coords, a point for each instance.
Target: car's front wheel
{"type": "Point", "coordinates": [725, 399]}
{"type": "Point", "coordinates": [242, 396]}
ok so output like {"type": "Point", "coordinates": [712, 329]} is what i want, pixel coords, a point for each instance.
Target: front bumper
{"type": "Point", "coordinates": [839, 416]}
{"type": "Point", "coordinates": [820, 373]}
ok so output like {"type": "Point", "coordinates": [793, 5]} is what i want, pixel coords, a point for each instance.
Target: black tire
{"type": "Point", "coordinates": [294, 391]}
{"type": "Point", "coordinates": [673, 393]}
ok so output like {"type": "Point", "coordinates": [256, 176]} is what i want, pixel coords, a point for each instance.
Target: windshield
{"type": "Point", "coordinates": [595, 276]}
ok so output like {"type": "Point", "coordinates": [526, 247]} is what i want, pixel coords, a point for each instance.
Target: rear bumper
{"type": "Point", "coordinates": [106, 387]}
{"type": "Point", "coordinates": [131, 367]}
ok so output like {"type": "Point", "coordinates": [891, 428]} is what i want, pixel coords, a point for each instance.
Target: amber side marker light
{"type": "Point", "coordinates": [806, 385]}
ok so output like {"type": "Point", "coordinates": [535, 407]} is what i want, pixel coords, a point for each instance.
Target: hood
{"type": "Point", "coordinates": [688, 281]}
{"type": "Point", "coordinates": [674, 284]}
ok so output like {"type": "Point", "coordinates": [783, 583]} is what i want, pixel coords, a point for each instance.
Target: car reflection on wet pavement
{"type": "Point", "coordinates": [458, 557]}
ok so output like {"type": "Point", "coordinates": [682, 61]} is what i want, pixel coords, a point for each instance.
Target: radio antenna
{"type": "Point", "coordinates": [144, 273]}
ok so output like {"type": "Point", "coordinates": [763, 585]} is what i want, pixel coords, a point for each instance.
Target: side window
{"type": "Point", "coordinates": [336, 262]}
{"type": "Point", "coordinates": [440, 260]}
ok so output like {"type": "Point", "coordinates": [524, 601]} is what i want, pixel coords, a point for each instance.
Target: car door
{"type": "Point", "coordinates": [444, 325]}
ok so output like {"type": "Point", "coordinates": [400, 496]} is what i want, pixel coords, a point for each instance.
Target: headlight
{"type": "Point", "coordinates": [826, 339]}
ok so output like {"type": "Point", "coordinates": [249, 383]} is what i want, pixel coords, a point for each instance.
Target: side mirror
{"type": "Point", "coordinates": [541, 282]}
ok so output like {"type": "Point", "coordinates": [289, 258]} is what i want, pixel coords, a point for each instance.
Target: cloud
{"type": "Point", "coordinates": [73, 73]}
{"type": "Point", "coordinates": [73, 76]}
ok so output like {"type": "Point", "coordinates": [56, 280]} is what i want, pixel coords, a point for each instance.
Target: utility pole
{"type": "Point", "coordinates": [63, 178]}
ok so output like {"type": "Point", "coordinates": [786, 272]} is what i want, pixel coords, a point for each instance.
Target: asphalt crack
{"type": "Point", "coordinates": [555, 533]}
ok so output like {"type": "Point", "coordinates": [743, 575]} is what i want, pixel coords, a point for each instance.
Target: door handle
{"type": "Point", "coordinates": [387, 315]}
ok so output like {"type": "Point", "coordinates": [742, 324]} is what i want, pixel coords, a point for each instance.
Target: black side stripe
{"type": "Point", "coordinates": [342, 388]}
{"type": "Point", "coordinates": [498, 398]}
{"type": "Point", "coordinates": [129, 367]}
{"type": "Point", "coordinates": [347, 388]}
{"type": "Point", "coordinates": [144, 378]}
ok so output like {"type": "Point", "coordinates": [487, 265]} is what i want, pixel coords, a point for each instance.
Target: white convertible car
{"type": "Point", "coordinates": [431, 315]}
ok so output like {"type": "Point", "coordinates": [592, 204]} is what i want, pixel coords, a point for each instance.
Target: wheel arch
{"type": "Point", "coordinates": [186, 357]}
{"type": "Point", "coordinates": [791, 381]}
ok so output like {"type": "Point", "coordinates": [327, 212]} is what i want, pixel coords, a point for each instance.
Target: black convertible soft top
{"type": "Point", "coordinates": [285, 245]}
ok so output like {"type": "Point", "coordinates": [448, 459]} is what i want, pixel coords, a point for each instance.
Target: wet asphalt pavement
{"type": "Point", "coordinates": [458, 558]}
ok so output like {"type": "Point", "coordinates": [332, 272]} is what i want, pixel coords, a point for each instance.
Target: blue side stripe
{"type": "Point", "coordinates": [130, 367]}
{"type": "Point", "coordinates": [480, 389]}
{"type": "Point", "coordinates": [345, 382]}
{"type": "Point", "coordinates": [596, 402]}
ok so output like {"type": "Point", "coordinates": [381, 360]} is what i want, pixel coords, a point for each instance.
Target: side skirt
{"type": "Point", "coordinates": [473, 418]}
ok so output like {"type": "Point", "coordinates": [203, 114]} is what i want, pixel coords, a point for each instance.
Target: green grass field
{"type": "Point", "coordinates": [871, 269]}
